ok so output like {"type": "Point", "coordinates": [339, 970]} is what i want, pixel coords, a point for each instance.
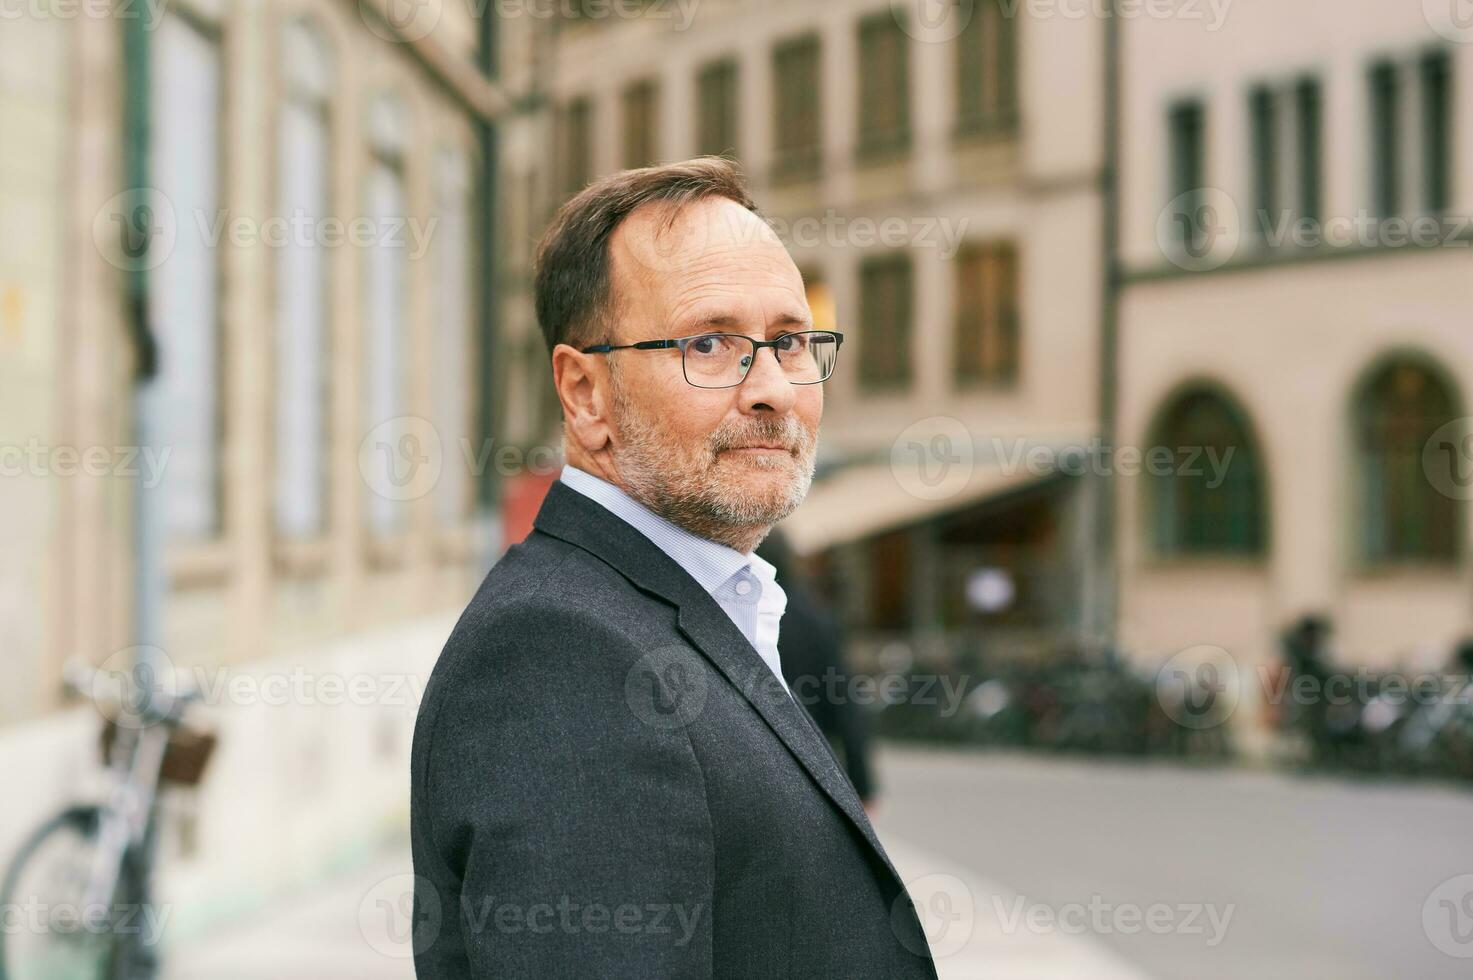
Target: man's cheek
{"type": "Point", "coordinates": [811, 412]}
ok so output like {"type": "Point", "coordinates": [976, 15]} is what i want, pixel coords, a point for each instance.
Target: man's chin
{"type": "Point", "coordinates": [770, 485]}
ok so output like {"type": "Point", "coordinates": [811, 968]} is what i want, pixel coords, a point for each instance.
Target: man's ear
{"type": "Point", "coordinates": [582, 383]}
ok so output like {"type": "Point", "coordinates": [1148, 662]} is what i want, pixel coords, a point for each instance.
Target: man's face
{"type": "Point", "coordinates": [714, 460]}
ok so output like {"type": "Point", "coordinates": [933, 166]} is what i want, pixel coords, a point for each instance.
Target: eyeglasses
{"type": "Point", "coordinates": [722, 360]}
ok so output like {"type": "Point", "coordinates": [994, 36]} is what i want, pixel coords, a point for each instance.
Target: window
{"type": "Point", "coordinates": [1411, 143]}
{"type": "Point", "coordinates": [1285, 125]}
{"type": "Point", "coordinates": [1209, 500]}
{"type": "Point", "coordinates": [302, 288]}
{"type": "Point", "coordinates": [394, 457]}
{"type": "Point", "coordinates": [1403, 516]}
{"type": "Point", "coordinates": [885, 316]}
{"type": "Point", "coordinates": [1264, 119]}
{"type": "Point", "coordinates": [986, 337]}
{"type": "Point", "coordinates": [797, 104]}
{"type": "Point", "coordinates": [884, 86]}
{"type": "Point", "coordinates": [1411, 151]}
{"type": "Point", "coordinates": [1385, 140]}
{"type": "Point", "coordinates": [574, 147]}
{"type": "Point", "coordinates": [716, 107]}
{"type": "Point", "coordinates": [1187, 125]}
{"type": "Point", "coordinates": [184, 292]}
{"type": "Point", "coordinates": [987, 69]}
{"type": "Point", "coordinates": [820, 302]}
{"type": "Point", "coordinates": [641, 112]}
{"type": "Point", "coordinates": [1308, 102]}
{"type": "Point", "coordinates": [1436, 72]}
{"type": "Point", "coordinates": [454, 328]}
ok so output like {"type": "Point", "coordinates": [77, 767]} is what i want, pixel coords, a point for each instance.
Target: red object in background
{"type": "Point", "coordinates": [521, 501]}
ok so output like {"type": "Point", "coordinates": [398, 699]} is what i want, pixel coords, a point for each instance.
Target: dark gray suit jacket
{"type": "Point", "coordinates": [609, 782]}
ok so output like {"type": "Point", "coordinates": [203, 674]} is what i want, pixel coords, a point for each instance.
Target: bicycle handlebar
{"type": "Point", "coordinates": [82, 680]}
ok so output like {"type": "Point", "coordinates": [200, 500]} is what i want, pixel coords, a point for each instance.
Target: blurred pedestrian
{"type": "Point", "coordinates": [812, 647]}
{"type": "Point", "coordinates": [1306, 654]}
{"type": "Point", "coordinates": [1462, 662]}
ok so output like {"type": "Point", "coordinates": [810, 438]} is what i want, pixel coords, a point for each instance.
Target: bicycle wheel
{"type": "Point", "coordinates": [47, 933]}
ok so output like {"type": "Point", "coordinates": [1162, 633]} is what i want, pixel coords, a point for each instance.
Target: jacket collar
{"type": "Point", "coordinates": [708, 562]}
{"type": "Point", "coordinates": [569, 516]}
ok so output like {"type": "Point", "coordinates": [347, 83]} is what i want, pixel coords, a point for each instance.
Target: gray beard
{"type": "Point", "coordinates": [681, 486]}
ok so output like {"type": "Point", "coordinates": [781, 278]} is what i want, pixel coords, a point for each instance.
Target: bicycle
{"type": "Point", "coordinates": [76, 897]}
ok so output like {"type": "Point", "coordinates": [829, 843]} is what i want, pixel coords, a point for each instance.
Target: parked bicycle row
{"type": "Point", "coordinates": [1323, 714]}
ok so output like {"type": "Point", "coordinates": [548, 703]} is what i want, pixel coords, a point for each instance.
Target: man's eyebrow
{"type": "Point", "coordinates": [729, 321]}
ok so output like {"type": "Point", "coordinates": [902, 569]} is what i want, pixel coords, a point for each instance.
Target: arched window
{"type": "Point", "coordinates": [1403, 516]}
{"type": "Point", "coordinates": [304, 165]}
{"type": "Point", "coordinates": [1206, 477]}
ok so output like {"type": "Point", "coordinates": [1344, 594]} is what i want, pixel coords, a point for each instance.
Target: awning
{"type": "Point", "coordinates": [861, 501]}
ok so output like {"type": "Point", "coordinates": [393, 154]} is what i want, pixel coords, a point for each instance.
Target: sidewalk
{"type": "Point", "coordinates": [350, 927]}
{"type": "Point", "coordinates": [355, 927]}
{"type": "Point", "coordinates": [979, 930]}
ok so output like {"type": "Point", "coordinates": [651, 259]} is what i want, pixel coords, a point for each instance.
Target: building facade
{"type": "Point", "coordinates": [284, 220]}
{"type": "Point", "coordinates": [1294, 291]}
{"type": "Point", "coordinates": [935, 186]}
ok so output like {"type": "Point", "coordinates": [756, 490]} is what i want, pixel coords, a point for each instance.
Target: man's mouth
{"type": "Point", "coordinates": [759, 448]}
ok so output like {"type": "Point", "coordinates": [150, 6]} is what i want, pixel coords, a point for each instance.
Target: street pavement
{"type": "Point", "coordinates": [1247, 873]}
{"type": "Point", "coordinates": [352, 926]}
{"type": "Point", "coordinates": [1025, 867]}
{"type": "Point", "coordinates": [355, 927]}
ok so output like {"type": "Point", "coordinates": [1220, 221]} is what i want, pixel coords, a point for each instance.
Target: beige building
{"type": "Point", "coordinates": [1327, 343]}
{"type": "Point", "coordinates": [312, 281]}
{"type": "Point", "coordinates": [936, 186]}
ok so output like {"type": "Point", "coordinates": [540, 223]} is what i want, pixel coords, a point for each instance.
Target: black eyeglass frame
{"type": "Point", "coordinates": [757, 345]}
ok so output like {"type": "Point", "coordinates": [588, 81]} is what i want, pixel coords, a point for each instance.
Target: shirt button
{"type": "Point", "coordinates": [743, 587]}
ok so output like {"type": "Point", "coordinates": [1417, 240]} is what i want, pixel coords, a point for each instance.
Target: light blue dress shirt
{"type": "Point", "coordinates": [745, 586]}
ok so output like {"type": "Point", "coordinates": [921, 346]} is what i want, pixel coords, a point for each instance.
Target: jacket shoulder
{"type": "Point", "coordinates": [548, 606]}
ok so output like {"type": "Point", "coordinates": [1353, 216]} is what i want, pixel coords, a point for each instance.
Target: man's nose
{"type": "Point", "coordinates": [766, 387]}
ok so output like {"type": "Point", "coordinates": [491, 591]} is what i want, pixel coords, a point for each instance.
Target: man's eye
{"type": "Point", "coordinates": [706, 345]}
{"type": "Point", "coordinates": [791, 342]}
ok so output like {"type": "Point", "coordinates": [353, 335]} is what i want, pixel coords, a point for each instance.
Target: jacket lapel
{"type": "Point", "coordinates": [713, 633]}
{"type": "Point", "coordinates": [572, 517]}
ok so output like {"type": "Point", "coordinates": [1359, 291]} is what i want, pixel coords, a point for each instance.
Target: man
{"type": "Point", "coordinates": [610, 778]}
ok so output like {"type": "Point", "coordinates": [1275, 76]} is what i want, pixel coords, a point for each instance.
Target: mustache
{"type": "Point", "coordinates": [787, 432]}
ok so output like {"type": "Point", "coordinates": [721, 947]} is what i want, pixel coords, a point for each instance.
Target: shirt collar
{"type": "Point", "coordinates": [710, 563]}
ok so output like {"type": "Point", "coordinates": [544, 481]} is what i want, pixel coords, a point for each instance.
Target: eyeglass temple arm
{"type": "Point", "coordinates": [642, 345]}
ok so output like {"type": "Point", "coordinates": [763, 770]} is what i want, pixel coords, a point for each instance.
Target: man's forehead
{"type": "Point", "coordinates": [711, 251]}
{"type": "Point", "coordinates": [660, 238]}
